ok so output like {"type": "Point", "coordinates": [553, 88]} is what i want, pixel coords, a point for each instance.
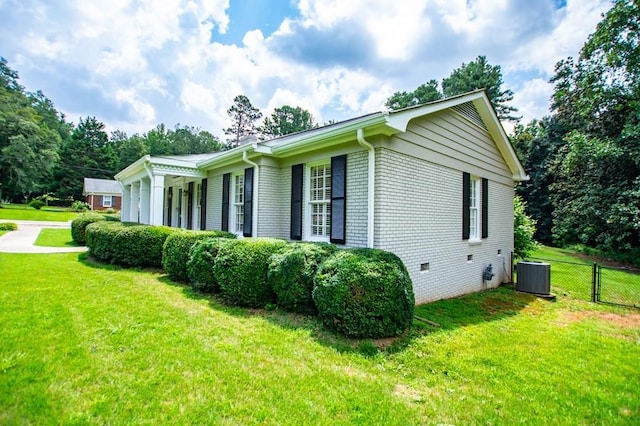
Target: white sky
{"type": "Point", "coordinates": [136, 63]}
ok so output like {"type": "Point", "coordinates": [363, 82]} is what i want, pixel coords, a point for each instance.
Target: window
{"type": "Point", "coordinates": [474, 216]}
{"type": "Point", "coordinates": [238, 204]}
{"type": "Point", "coordinates": [320, 201]}
{"type": "Point", "coordinates": [107, 201]}
{"type": "Point", "coordinates": [475, 210]}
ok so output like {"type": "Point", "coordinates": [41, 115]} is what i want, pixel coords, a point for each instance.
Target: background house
{"type": "Point", "coordinates": [102, 194]}
{"type": "Point", "coordinates": [433, 184]}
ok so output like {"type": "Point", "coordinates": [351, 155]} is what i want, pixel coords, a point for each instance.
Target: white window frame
{"type": "Point", "coordinates": [312, 201]}
{"type": "Point", "coordinates": [474, 209]}
{"type": "Point", "coordinates": [237, 204]}
{"type": "Point", "coordinates": [104, 201]}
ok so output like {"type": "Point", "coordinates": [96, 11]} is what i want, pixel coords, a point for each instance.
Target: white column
{"type": "Point", "coordinates": [135, 202]}
{"type": "Point", "coordinates": [145, 201]}
{"type": "Point", "coordinates": [125, 208]}
{"type": "Point", "coordinates": [157, 200]}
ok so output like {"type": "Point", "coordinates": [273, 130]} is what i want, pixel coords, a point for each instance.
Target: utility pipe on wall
{"type": "Point", "coordinates": [371, 179]}
{"type": "Point", "coordinates": [256, 185]}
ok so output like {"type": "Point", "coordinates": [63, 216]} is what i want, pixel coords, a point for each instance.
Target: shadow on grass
{"type": "Point", "coordinates": [447, 315]}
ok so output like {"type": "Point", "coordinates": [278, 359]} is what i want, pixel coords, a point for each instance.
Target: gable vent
{"type": "Point", "coordinates": [470, 112]}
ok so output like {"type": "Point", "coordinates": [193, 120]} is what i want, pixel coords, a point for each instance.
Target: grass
{"type": "Point", "coordinates": [55, 237]}
{"type": "Point", "coordinates": [86, 343]}
{"type": "Point", "coordinates": [24, 212]}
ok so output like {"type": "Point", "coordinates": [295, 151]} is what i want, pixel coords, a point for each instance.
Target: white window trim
{"type": "Point", "coordinates": [475, 210]}
{"type": "Point", "coordinates": [104, 200]}
{"type": "Point", "coordinates": [233, 206]}
{"type": "Point", "coordinates": [307, 229]}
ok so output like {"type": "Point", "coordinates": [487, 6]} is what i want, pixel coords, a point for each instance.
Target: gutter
{"type": "Point", "coordinates": [256, 184]}
{"type": "Point", "coordinates": [371, 180]}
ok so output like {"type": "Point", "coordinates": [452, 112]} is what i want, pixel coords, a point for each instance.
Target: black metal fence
{"type": "Point", "coordinates": [595, 282]}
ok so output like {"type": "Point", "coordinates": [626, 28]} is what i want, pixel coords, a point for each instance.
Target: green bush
{"type": "Point", "coordinates": [200, 267]}
{"type": "Point", "coordinates": [364, 293]}
{"type": "Point", "coordinates": [175, 252]}
{"type": "Point", "coordinates": [37, 204]}
{"type": "Point", "coordinates": [79, 206]}
{"type": "Point", "coordinates": [291, 273]}
{"type": "Point", "coordinates": [127, 244]}
{"type": "Point", "coordinates": [8, 226]}
{"type": "Point", "coordinates": [112, 217]}
{"type": "Point", "coordinates": [241, 270]}
{"type": "Point", "coordinates": [79, 225]}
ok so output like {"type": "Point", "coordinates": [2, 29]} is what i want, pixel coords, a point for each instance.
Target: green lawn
{"type": "Point", "coordinates": [55, 237]}
{"type": "Point", "coordinates": [84, 343]}
{"type": "Point", "coordinates": [24, 212]}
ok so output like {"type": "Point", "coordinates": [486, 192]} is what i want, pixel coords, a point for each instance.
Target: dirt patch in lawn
{"type": "Point", "coordinates": [626, 321]}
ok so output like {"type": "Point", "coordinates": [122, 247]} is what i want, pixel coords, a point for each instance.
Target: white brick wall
{"type": "Point", "coordinates": [273, 203]}
{"type": "Point", "coordinates": [357, 184]}
{"type": "Point", "coordinates": [419, 218]}
{"type": "Point", "coordinates": [214, 202]}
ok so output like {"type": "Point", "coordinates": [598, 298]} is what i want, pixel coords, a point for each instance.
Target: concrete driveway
{"type": "Point", "coordinates": [22, 240]}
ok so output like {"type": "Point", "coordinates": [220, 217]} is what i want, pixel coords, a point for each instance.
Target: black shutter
{"type": "Point", "coordinates": [100, 200]}
{"type": "Point", "coordinates": [169, 205]}
{"type": "Point", "coordinates": [190, 195]}
{"type": "Point", "coordinates": [297, 175]}
{"type": "Point", "coordinates": [466, 203]}
{"type": "Point", "coordinates": [248, 202]}
{"type": "Point", "coordinates": [203, 204]}
{"type": "Point", "coordinates": [226, 182]}
{"type": "Point", "coordinates": [338, 198]}
{"type": "Point", "coordinates": [485, 208]}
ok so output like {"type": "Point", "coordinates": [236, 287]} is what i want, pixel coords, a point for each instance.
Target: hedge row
{"type": "Point", "coordinates": [127, 244]}
{"type": "Point", "coordinates": [175, 252]}
{"type": "Point", "coordinates": [356, 292]}
{"type": "Point", "coordinates": [79, 226]}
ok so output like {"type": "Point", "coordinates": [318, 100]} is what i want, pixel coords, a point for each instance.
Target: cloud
{"type": "Point", "coordinates": [134, 62]}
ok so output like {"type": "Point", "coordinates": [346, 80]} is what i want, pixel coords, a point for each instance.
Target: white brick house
{"type": "Point", "coordinates": [433, 184]}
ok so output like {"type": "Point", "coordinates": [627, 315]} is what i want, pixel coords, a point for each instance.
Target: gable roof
{"type": "Point", "coordinates": [473, 105]}
{"type": "Point", "coordinates": [101, 186]}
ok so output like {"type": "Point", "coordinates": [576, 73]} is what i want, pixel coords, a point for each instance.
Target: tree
{"type": "Point", "coordinates": [479, 74]}
{"type": "Point", "coordinates": [87, 153]}
{"type": "Point", "coordinates": [523, 230]}
{"type": "Point", "coordinates": [427, 92]}
{"type": "Point", "coordinates": [243, 116]}
{"type": "Point", "coordinates": [28, 146]}
{"type": "Point", "coordinates": [597, 99]}
{"type": "Point", "coordinates": [286, 120]}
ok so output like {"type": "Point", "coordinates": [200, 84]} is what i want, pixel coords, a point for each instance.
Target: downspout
{"type": "Point", "coordinates": [371, 179]}
{"type": "Point", "coordinates": [256, 184]}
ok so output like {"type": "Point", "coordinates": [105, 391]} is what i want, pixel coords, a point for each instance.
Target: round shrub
{"type": "Point", "coordinates": [8, 226]}
{"type": "Point", "coordinates": [364, 293]}
{"type": "Point", "coordinates": [37, 204]}
{"type": "Point", "coordinates": [200, 267]}
{"type": "Point", "coordinates": [291, 273]}
{"type": "Point", "coordinates": [127, 244]}
{"type": "Point", "coordinates": [241, 270]}
{"type": "Point", "coordinates": [175, 252]}
{"type": "Point", "coordinates": [79, 225]}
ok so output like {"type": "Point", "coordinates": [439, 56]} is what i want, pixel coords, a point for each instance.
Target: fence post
{"type": "Point", "coordinates": [593, 282]}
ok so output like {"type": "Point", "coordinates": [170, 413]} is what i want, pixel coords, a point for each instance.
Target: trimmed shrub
{"type": "Point", "coordinates": [291, 273]}
{"type": "Point", "coordinates": [112, 217]}
{"type": "Point", "coordinates": [79, 225]}
{"type": "Point", "coordinates": [200, 267]}
{"type": "Point", "coordinates": [364, 293]}
{"type": "Point", "coordinates": [241, 270]}
{"type": "Point", "coordinates": [8, 226]}
{"type": "Point", "coordinates": [79, 206]}
{"type": "Point", "coordinates": [37, 204]}
{"type": "Point", "coordinates": [127, 244]}
{"type": "Point", "coordinates": [175, 252]}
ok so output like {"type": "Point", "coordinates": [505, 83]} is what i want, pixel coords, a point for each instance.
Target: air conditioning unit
{"type": "Point", "coordinates": [534, 277]}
